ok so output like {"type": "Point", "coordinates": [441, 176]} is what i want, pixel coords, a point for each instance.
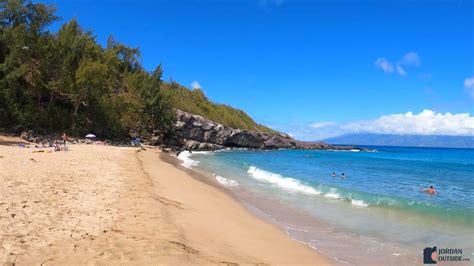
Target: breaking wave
{"type": "Point", "coordinates": [226, 181]}
{"type": "Point", "coordinates": [286, 183]}
{"type": "Point", "coordinates": [187, 161]}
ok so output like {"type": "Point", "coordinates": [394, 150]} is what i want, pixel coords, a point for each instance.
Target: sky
{"type": "Point", "coordinates": [313, 69]}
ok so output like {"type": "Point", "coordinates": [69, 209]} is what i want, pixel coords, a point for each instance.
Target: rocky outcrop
{"type": "Point", "coordinates": [194, 132]}
{"type": "Point", "coordinates": [199, 133]}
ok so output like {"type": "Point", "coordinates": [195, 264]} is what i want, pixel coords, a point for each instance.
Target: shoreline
{"type": "Point", "coordinates": [105, 204]}
{"type": "Point", "coordinates": [255, 242]}
{"type": "Point", "coordinates": [250, 204]}
{"type": "Point", "coordinates": [340, 245]}
{"type": "Point", "coordinates": [342, 219]}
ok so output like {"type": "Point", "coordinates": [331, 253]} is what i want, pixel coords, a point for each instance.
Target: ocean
{"type": "Point", "coordinates": [377, 214]}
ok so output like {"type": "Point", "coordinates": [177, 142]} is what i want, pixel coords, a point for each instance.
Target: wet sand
{"type": "Point", "coordinates": [102, 204]}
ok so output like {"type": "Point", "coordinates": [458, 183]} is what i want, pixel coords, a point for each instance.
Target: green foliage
{"type": "Point", "coordinates": [66, 81]}
{"type": "Point", "coordinates": [156, 106]}
{"type": "Point", "coordinates": [195, 102]}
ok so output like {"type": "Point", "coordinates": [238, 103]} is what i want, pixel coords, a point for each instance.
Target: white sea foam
{"type": "Point", "coordinates": [203, 152]}
{"type": "Point", "coordinates": [286, 183]}
{"type": "Point", "coordinates": [359, 203]}
{"type": "Point", "coordinates": [226, 181]}
{"type": "Point", "coordinates": [223, 150]}
{"type": "Point", "coordinates": [186, 160]}
{"type": "Point", "coordinates": [332, 193]}
{"type": "Point", "coordinates": [288, 228]}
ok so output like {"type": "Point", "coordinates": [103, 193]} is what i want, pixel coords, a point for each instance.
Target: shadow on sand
{"type": "Point", "coordinates": [11, 141]}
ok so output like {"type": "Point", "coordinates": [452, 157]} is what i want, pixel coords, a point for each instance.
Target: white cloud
{"type": "Point", "coordinates": [195, 85]}
{"type": "Point", "coordinates": [322, 124]}
{"type": "Point", "coordinates": [411, 58]}
{"type": "Point", "coordinates": [401, 71]}
{"type": "Point", "coordinates": [427, 122]}
{"type": "Point", "coordinates": [469, 86]}
{"type": "Point", "coordinates": [384, 64]}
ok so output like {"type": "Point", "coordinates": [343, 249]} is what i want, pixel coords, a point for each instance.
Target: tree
{"type": "Point", "coordinates": [65, 80]}
{"type": "Point", "coordinates": [91, 81]}
{"type": "Point", "coordinates": [24, 39]}
{"type": "Point", "coordinates": [83, 74]}
{"type": "Point", "coordinates": [157, 107]}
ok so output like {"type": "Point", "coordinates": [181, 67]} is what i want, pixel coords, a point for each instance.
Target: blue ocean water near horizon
{"type": "Point", "coordinates": [377, 210]}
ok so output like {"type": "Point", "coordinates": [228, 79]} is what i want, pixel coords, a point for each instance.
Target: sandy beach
{"type": "Point", "coordinates": [102, 204]}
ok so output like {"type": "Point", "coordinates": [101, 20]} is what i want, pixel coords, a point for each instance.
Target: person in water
{"type": "Point", "coordinates": [430, 190]}
{"type": "Point", "coordinates": [333, 174]}
{"type": "Point", "coordinates": [343, 176]}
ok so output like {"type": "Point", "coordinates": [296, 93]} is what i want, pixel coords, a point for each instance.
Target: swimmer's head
{"type": "Point", "coordinates": [431, 187]}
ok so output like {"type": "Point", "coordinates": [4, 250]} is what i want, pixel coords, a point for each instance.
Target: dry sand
{"type": "Point", "coordinates": [108, 205]}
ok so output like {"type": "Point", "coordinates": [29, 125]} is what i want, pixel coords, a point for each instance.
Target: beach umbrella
{"type": "Point", "coordinates": [90, 136]}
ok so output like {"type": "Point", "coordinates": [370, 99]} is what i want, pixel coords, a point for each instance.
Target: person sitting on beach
{"type": "Point", "coordinates": [136, 142]}
{"type": "Point", "coordinates": [333, 174]}
{"type": "Point", "coordinates": [430, 190]}
{"type": "Point", "coordinates": [343, 176]}
{"type": "Point", "coordinates": [64, 138]}
{"type": "Point", "coordinates": [56, 146]}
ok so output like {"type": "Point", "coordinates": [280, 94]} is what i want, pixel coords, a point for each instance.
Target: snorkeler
{"type": "Point", "coordinates": [430, 190]}
{"type": "Point", "coordinates": [333, 174]}
{"type": "Point", "coordinates": [343, 176]}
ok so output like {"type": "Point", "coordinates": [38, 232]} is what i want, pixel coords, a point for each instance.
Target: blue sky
{"type": "Point", "coordinates": [311, 68]}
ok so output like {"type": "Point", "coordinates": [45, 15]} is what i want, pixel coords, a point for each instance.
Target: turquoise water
{"type": "Point", "coordinates": [378, 206]}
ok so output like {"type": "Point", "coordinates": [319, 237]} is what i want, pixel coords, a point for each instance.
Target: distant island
{"type": "Point", "coordinates": [403, 140]}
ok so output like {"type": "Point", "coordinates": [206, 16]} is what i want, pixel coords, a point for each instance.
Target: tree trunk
{"type": "Point", "coordinates": [39, 101]}
{"type": "Point", "coordinates": [51, 100]}
{"type": "Point", "coordinates": [76, 110]}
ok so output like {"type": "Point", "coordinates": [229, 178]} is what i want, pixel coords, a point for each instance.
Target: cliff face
{"type": "Point", "coordinates": [199, 133]}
